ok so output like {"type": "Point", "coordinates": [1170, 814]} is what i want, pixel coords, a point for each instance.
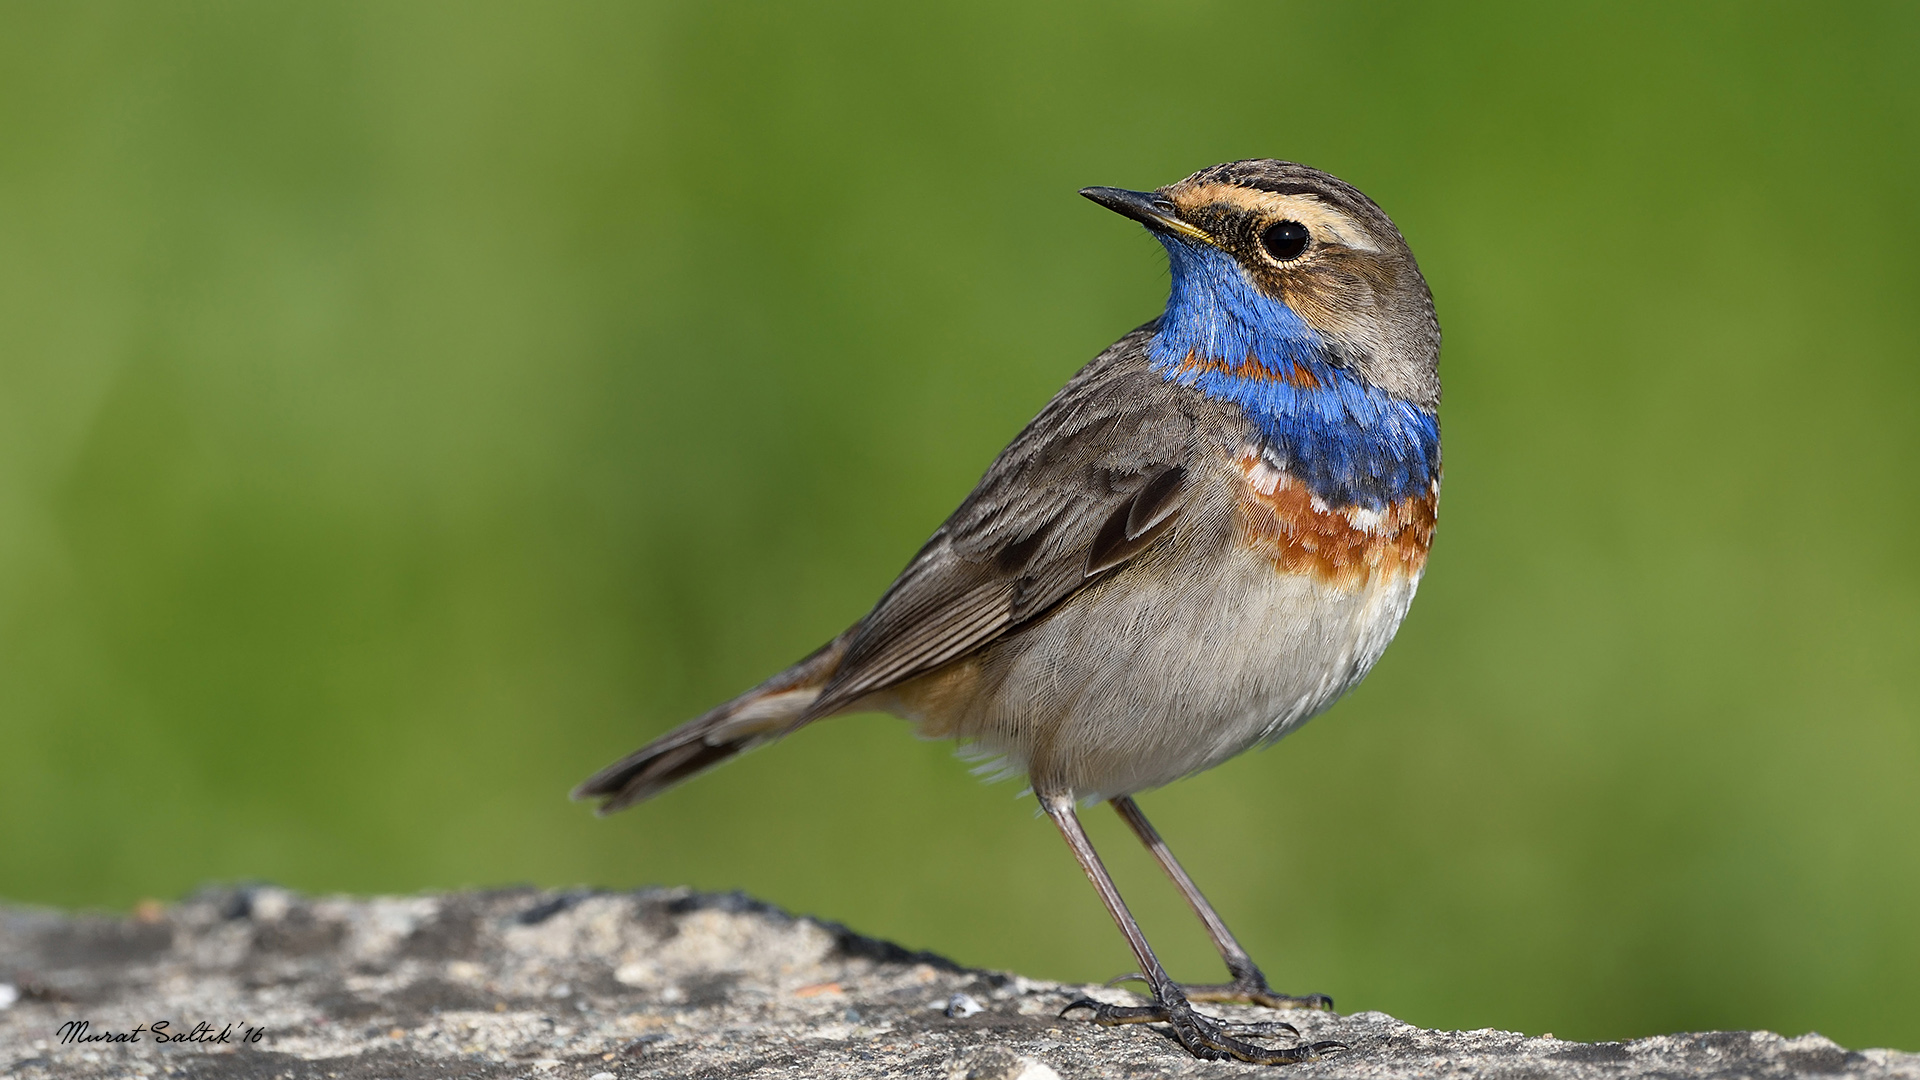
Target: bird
{"type": "Point", "coordinates": [1204, 539]}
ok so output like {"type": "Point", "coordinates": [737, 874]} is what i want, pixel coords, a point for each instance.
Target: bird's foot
{"type": "Point", "coordinates": [1246, 990]}
{"type": "Point", "coordinates": [1207, 1037]}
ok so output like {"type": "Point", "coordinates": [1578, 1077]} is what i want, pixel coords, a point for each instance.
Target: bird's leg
{"type": "Point", "coordinates": [1203, 1036]}
{"type": "Point", "coordinates": [1248, 985]}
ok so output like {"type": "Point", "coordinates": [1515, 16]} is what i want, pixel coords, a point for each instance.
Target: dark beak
{"type": "Point", "coordinates": [1149, 208]}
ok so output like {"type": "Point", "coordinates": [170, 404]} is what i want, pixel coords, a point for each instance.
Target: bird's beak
{"type": "Point", "coordinates": [1149, 208]}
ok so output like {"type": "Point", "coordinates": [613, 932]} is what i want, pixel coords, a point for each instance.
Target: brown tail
{"type": "Point", "coordinates": [758, 716]}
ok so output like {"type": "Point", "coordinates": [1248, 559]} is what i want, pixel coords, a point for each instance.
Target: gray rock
{"type": "Point", "coordinates": [663, 982]}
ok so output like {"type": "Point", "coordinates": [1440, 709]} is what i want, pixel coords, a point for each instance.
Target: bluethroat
{"type": "Point", "coordinates": [1204, 539]}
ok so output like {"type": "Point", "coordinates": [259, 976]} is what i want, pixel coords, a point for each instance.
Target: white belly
{"type": "Point", "coordinates": [1136, 685]}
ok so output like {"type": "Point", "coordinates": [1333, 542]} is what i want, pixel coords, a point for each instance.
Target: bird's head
{"type": "Point", "coordinates": [1273, 260]}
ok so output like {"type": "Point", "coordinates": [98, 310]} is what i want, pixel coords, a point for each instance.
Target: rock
{"type": "Point", "coordinates": [665, 982]}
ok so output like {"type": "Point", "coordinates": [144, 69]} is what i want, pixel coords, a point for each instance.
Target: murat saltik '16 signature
{"type": "Point", "coordinates": [75, 1032]}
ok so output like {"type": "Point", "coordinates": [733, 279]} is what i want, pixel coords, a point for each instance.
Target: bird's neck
{"type": "Point", "coordinates": [1350, 443]}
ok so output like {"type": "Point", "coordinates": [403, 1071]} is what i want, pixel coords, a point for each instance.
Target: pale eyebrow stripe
{"type": "Point", "coordinates": [1310, 207]}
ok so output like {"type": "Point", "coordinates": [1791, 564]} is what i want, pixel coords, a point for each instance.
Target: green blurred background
{"type": "Point", "coordinates": [405, 409]}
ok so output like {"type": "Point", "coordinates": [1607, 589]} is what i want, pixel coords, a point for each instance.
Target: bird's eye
{"type": "Point", "coordinates": [1285, 240]}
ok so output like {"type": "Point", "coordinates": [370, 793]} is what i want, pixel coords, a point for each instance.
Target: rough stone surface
{"type": "Point", "coordinates": [666, 983]}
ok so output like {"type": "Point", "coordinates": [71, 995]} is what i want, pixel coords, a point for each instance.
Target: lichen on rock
{"type": "Point", "coordinates": [658, 983]}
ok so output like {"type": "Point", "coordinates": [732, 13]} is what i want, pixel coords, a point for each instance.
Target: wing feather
{"type": "Point", "coordinates": [1099, 476]}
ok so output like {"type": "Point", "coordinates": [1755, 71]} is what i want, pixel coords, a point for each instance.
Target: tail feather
{"type": "Point", "coordinates": [761, 715]}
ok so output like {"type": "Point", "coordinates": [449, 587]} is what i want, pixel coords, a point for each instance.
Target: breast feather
{"type": "Point", "coordinates": [1353, 545]}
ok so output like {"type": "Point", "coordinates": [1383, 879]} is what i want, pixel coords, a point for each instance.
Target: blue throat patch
{"type": "Point", "coordinates": [1348, 442]}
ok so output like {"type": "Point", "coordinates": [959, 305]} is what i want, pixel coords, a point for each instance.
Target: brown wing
{"type": "Point", "coordinates": [1100, 474]}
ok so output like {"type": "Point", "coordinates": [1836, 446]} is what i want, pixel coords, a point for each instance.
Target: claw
{"type": "Point", "coordinates": [1206, 1036]}
{"type": "Point", "coordinates": [1131, 976]}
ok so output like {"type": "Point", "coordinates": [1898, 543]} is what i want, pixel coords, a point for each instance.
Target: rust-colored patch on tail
{"type": "Point", "coordinates": [1352, 545]}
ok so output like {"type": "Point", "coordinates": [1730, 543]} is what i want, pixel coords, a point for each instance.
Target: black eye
{"type": "Point", "coordinates": [1285, 240]}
